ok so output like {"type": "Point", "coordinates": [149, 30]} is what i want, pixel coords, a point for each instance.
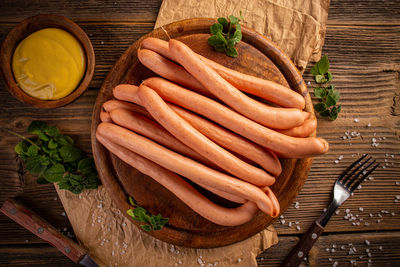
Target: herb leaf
{"type": "Point", "coordinates": [53, 158]}
{"type": "Point", "coordinates": [225, 35]}
{"type": "Point", "coordinates": [140, 214]}
{"type": "Point", "coordinates": [327, 95]}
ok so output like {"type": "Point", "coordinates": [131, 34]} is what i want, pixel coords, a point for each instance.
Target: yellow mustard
{"type": "Point", "coordinates": [49, 64]}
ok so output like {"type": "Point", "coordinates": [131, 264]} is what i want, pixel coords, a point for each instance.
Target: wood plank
{"type": "Point", "coordinates": [95, 10]}
{"type": "Point", "coordinates": [364, 12]}
{"type": "Point", "coordinates": [36, 254]}
{"type": "Point", "coordinates": [384, 249]}
{"type": "Point", "coordinates": [340, 11]}
{"type": "Point", "coordinates": [33, 255]}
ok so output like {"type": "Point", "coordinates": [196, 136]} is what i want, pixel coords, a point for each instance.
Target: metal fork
{"type": "Point", "coordinates": [344, 187]}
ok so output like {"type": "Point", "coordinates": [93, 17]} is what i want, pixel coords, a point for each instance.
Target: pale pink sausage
{"type": "Point", "coordinates": [183, 190]}
{"type": "Point", "coordinates": [273, 117]}
{"type": "Point", "coordinates": [186, 133]}
{"type": "Point", "coordinates": [304, 130]}
{"type": "Point", "coordinates": [271, 91]}
{"type": "Point", "coordinates": [152, 130]}
{"type": "Point", "coordinates": [286, 146]}
{"type": "Point", "coordinates": [170, 70]}
{"type": "Point", "coordinates": [105, 116]}
{"type": "Point", "coordinates": [262, 156]}
{"type": "Point", "coordinates": [184, 166]}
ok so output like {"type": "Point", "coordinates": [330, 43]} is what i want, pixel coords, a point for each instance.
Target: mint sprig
{"type": "Point", "coordinates": [54, 159]}
{"type": "Point", "coordinates": [327, 95]}
{"type": "Point", "coordinates": [226, 34]}
{"type": "Point", "coordinates": [140, 214]}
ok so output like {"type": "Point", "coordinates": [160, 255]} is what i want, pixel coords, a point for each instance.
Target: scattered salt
{"type": "Point", "coordinates": [356, 120]}
{"type": "Point", "coordinates": [367, 242]}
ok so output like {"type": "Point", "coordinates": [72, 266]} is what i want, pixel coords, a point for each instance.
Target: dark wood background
{"type": "Point", "coordinates": [363, 45]}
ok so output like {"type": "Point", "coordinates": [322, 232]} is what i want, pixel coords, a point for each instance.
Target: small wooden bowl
{"type": "Point", "coordinates": [29, 26]}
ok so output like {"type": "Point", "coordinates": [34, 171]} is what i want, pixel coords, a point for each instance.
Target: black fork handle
{"type": "Point", "coordinates": [306, 242]}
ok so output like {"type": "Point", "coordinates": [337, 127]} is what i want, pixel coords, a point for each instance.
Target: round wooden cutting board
{"type": "Point", "coordinates": [258, 57]}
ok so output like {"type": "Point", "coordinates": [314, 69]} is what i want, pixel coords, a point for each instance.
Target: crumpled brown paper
{"type": "Point", "coordinates": [298, 27]}
{"type": "Point", "coordinates": [112, 240]}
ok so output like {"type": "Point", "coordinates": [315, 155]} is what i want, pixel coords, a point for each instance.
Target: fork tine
{"type": "Point", "coordinates": [364, 176]}
{"type": "Point", "coordinates": [350, 167]}
{"type": "Point", "coordinates": [356, 169]}
{"type": "Point", "coordinates": [362, 170]}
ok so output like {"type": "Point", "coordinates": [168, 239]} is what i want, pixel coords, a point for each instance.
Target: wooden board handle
{"type": "Point", "coordinates": [38, 226]}
{"type": "Point", "coordinates": [304, 246]}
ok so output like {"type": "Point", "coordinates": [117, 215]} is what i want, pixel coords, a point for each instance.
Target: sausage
{"type": "Point", "coordinates": [183, 190]}
{"type": "Point", "coordinates": [265, 158]}
{"type": "Point", "coordinates": [186, 133]}
{"type": "Point", "coordinates": [273, 117]}
{"type": "Point", "coordinates": [286, 146]}
{"type": "Point", "coordinates": [271, 91]}
{"type": "Point", "coordinates": [304, 130]}
{"type": "Point", "coordinates": [110, 105]}
{"type": "Point", "coordinates": [184, 166]}
{"type": "Point", "coordinates": [152, 130]}
{"type": "Point", "coordinates": [105, 116]}
{"type": "Point", "coordinates": [170, 70]}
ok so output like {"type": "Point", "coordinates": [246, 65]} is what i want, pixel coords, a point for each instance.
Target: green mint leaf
{"type": "Point", "coordinates": [320, 79]}
{"type": "Point", "coordinates": [52, 131]}
{"type": "Point", "coordinates": [320, 92]}
{"type": "Point", "coordinates": [37, 127]}
{"type": "Point", "coordinates": [334, 113]}
{"type": "Point", "coordinates": [216, 41]}
{"type": "Point", "coordinates": [132, 201]}
{"type": "Point", "coordinates": [224, 22]}
{"type": "Point", "coordinates": [216, 28]}
{"type": "Point", "coordinates": [64, 140]}
{"type": "Point", "coordinates": [237, 36]}
{"type": "Point", "coordinates": [220, 48]}
{"type": "Point", "coordinates": [55, 173]}
{"type": "Point", "coordinates": [43, 136]}
{"type": "Point", "coordinates": [21, 148]}
{"type": "Point", "coordinates": [323, 65]}
{"type": "Point", "coordinates": [330, 101]}
{"type": "Point", "coordinates": [86, 166]}
{"type": "Point", "coordinates": [64, 183]}
{"type": "Point", "coordinates": [75, 179]}
{"type": "Point", "coordinates": [231, 51]}
{"type": "Point", "coordinates": [130, 212]}
{"type": "Point", "coordinates": [339, 108]}
{"type": "Point", "coordinates": [319, 107]}
{"type": "Point", "coordinates": [314, 70]}
{"type": "Point", "coordinates": [325, 113]}
{"type": "Point", "coordinates": [70, 153]}
{"type": "Point", "coordinates": [52, 144]}
{"type": "Point", "coordinates": [233, 19]}
{"type": "Point", "coordinates": [330, 76]}
{"type": "Point", "coordinates": [34, 164]}
{"type": "Point", "coordinates": [335, 95]}
{"type": "Point", "coordinates": [146, 227]}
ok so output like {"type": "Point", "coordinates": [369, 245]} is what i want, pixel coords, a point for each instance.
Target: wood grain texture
{"type": "Point", "coordinates": [186, 228]}
{"type": "Point", "coordinates": [362, 45]}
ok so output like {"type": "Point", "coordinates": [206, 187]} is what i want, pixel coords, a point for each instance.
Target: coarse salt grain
{"type": "Point", "coordinates": [336, 161]}
{"type": "Point", "coordinates": [63, 213]}
{"type": "Point", "coordinates": [356, 120]}
{"type": "Point", "coordinates": [367, 242]}
{"type": "Point", "coordinates": [298, 228]}
{"type": "Point", "coordinates": [369, 124]}
{"type": "Point", "coordinates": [361, 209]}
{"type": "Point", "coordinates": [340, 157]}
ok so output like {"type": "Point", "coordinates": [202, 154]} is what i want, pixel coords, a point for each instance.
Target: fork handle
{"type": "Point", "coordinates": [304, 246]}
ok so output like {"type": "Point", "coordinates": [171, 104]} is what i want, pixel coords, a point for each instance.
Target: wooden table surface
{"type": "Point", "coordinates": [363, 45]}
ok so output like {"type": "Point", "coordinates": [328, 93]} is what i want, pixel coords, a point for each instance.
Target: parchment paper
{"type": "Point", "coordinates": [298, 27]}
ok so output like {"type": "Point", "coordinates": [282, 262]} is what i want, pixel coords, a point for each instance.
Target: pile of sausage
{"type": "Point", "coordinates": [197, 122]}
